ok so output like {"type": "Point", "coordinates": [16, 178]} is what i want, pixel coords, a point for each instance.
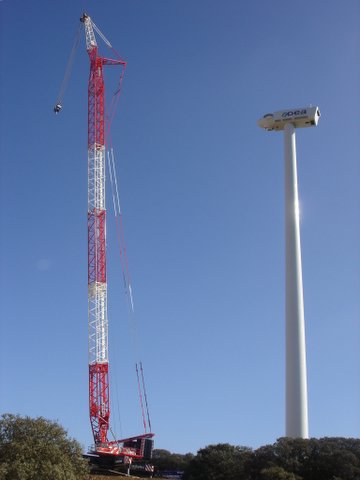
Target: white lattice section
{"type": "Point", "coordinates": [89, 34]}
{"type": "Point", "coordinates": [98, 323]}
{"type": "Point", "coordinates": [96, 178]}
{"type": "Point", "coordinates": [97, 292]}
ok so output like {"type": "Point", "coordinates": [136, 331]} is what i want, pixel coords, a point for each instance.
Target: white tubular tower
{"type": "Point", "coordinates": [296, 383]}
{"type": "Point", "coordinates": [296, 379]}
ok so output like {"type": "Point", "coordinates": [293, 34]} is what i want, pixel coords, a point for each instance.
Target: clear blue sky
{"type": "Point", "coordinates": [203, 203]}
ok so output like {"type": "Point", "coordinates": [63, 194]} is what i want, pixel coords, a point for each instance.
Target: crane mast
{"type": "Point", "coordinates": [96, 221]}
{"type": "Point", "coordinates": [99, 398]}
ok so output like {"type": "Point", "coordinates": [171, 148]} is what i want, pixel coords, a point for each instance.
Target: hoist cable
{"type": "Point", "coordinates": [118, 220]}
{"type": "Point", "coordinates": [141, 397]}
{"type": "Point", "coordinates": [68, 67]}
{"type": "Point", "coordinates": [145, 395]}
{"type": "Point", "coordinates": [101, 34]}
{"type": "Point", "coordinates": [114, 102]}
{"type": "Point", "coordinates": [127, 285]}
{"type": "Point", "coordinates": [122, 250]}
{"type": "Point", "coordinates": [117, 210]}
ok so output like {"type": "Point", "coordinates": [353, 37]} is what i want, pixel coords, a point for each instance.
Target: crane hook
{"type": "Point", "coordinates": [57, 108]}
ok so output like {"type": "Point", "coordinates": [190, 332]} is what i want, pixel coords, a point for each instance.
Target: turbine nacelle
{"type": "Point", "coordinates": [299, 117]}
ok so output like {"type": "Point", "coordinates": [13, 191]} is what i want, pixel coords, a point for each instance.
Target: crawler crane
{"type": "Point", "coordinates": [140, 446]}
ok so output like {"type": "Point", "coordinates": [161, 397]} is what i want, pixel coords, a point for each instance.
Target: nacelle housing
{"type": "Point", "coordinates": [299, 117]}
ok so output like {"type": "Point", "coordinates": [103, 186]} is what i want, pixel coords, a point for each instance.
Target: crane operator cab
{"type": "Point", "coordinates": [57, 108]}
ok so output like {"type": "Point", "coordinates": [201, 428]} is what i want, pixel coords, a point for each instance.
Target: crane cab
{"type": "Point", "coordinates": [142, 446]}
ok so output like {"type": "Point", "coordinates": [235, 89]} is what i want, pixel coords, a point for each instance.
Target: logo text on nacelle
{"type": "Point", "coordinates": [293, 113]}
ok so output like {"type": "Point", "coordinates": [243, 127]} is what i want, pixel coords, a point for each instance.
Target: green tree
{"type": "Point", "coordinates": [287, 459]}
{"type": "Point", "coordinates": [165, 460]}
{"type": "Point", "coordinates": [334, 458]}
{"type": "Point", "coordinates": [277, 473]}
{"type": "Point", "coordinates": [218, 462]}
{"type": "Point", "coordinates": [38, 449]}
{"type": "Point", "coordinates": [309, 459]}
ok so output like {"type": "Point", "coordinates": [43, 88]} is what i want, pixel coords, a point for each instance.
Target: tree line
{"type": "Point", "coordinates": [331, 458]}
{"type": "Point", "coordinates": [40, 449]}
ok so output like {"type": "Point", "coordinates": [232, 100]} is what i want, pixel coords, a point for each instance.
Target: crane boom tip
{"type": "Point", "coordinates": [84, 17]}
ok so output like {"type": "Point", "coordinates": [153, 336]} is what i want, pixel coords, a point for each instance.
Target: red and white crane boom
{"type": "Point", "coordinates": [97, 286]}
{"type": "Point", "coordinates": [99, 400]}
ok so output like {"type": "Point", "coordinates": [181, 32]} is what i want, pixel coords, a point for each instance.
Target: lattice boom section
{"type": "Point", "coordinates": [98, 323]}
{"type": "Point", "coordinates": [89, 34]}
{"type": "Point", "coordinates": [96, 137]}
{"type": "Point", "coordinates": [97, 288]}
{"type": "Point", "coordinates": [96, 123]}
{"type": "Point", "coordinates": [96, 178]}
{"type": "Point", "coordinates": [96, 247]}
{"type": "Point", "coordinates": [99, 401]}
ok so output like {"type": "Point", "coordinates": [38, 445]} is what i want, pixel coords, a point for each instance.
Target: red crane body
{"type": "Point", "coordinates": [99, 399]}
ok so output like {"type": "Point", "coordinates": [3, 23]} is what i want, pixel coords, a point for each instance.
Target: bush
{"type": "Point", "coordinates": [38, 449]}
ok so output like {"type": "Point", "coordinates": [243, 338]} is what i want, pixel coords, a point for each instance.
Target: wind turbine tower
{"type": "Point", "coordinates": [296, 381]}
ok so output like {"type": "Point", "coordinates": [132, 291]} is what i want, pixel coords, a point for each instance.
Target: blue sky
{"type": "Point", "coordinates": [203, 203]}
